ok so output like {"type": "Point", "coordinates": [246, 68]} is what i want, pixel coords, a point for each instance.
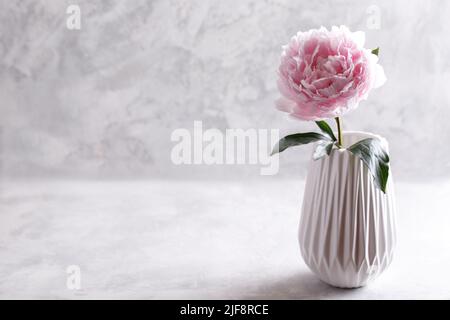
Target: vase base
{"type": "Point", "coordinates": [344, 287]}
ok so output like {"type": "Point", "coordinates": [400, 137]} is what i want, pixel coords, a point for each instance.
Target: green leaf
{"type": "Point", "coordinates": [329, 147]}
{"type": "Point", "coordinates": [323, 148]}
{"type": "Point", "coordinates": [326, 129]}
{"type": "Point", "coordinates": [371, 152]}
{"type": "Point", "coordinates": [298, 139]}
{"type": "Point", "coordinates": [376, 51]}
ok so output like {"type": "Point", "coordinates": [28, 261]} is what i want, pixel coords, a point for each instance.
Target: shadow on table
{"type": "Point", "coordinates": [298, 286]}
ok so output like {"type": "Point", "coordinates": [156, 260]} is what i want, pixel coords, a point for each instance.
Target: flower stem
{"type": "Point", "coordinates": [338, 123]}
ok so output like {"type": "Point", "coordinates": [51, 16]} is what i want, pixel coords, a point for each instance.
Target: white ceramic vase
{"type": "Point", "coordinates": [347, 226]}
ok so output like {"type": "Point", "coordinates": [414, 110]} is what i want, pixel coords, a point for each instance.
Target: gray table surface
{"type": "Point", "coordinates": [197, 240]}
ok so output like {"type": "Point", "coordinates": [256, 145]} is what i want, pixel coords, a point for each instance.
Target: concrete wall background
{"type": "Point", "coordinates": [102, 101]}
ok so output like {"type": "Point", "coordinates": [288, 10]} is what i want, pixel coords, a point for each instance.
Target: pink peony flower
{"type": "Point", "coordinates": [325, 74]}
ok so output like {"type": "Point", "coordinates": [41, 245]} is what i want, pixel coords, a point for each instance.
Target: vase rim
{"type": "Point", "coordinates": [356, 132]}
{"type": "Point", "coordinates": [360, 135]}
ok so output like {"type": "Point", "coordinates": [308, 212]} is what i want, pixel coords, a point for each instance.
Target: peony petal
{"type": "Point", "coordinates": [380, 77]}
{"type": "Point", "coordinates": [324, 74]}
{"type": "Point", "coordinates": [285, 105]}
{"type": "Point", "coordinates": [359, 38]}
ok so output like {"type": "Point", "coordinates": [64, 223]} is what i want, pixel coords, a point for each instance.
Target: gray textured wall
{"type": "Point", "coordinates": [102, 101]}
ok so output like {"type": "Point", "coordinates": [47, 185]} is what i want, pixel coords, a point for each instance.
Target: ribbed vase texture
{"type": "Point", "coordinates": [347, 226]}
